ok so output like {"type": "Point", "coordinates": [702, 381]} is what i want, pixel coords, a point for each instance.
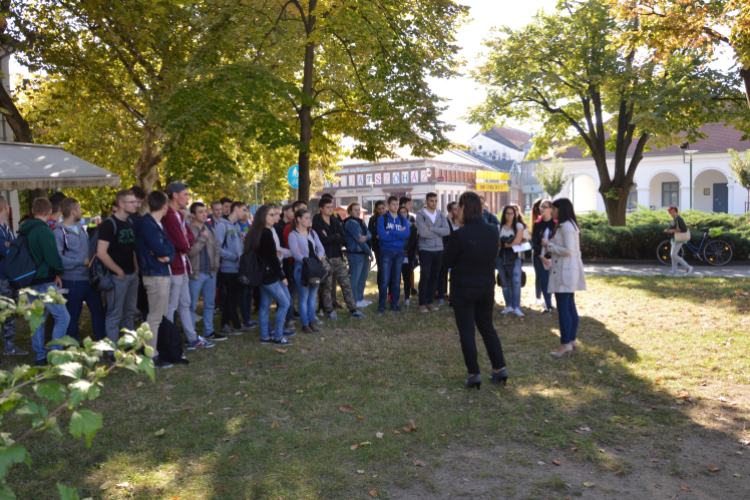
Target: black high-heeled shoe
{"type": "Point", "coordinates": [501, 376]}
{"type": "Point", "coordinates": [475, 381]}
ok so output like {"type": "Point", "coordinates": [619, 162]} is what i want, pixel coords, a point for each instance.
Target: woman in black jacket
{"type": "Point", "coordinates": [677, 226]}
{"type": "Point", "coordinates": [543, 228]}
{"type": "Point", "coordinates": [410, 256]}
{"type": "Point", "coordinates": [262, 240]}
{"type": "Point", "coordinates": [471, 256]}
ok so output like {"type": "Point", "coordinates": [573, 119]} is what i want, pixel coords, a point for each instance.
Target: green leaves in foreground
{"type": "Point", "coordinates": [85, 422]}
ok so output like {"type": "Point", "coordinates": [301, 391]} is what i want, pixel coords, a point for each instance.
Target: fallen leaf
{"type": "Point", "coordinates": [557, 462]}
{"type": "Point", "coordinates": [233, 457]}
{"type": "Point", "coordinates": [299, 391]}
{"type": "Point", "coordinates": [306, 428]}
{"type": "Point", "coordinates": [585, 429]}
{"type": "Point", "coordinates": [122, 486]}
{"type": "Point", "coordinates": [274, 425]}
{"type": "Point", "coordinates": [685, 488]}
{"type": "Point", "coordinates": [374, 493]}
{"type": "Point", "coordinates": [366, 443]}
{"type": "Point", "coordinates": [379, 435]}
{"type": "Point", "coordinates": [407, 428]}
{"type": "Point", "coordinates": [619, 472]}
{"type": "Point", "coordinates": [360, 471]}
{"type": "Point", "coordinates": [620, 448]}
{"type": "Point", "coordinates": [139, 384]}
{"type": "Point", "coordinates": [744, 442]}
{"type": "Point", "coordinates": [737, 476]}
{"type": "Point", "coordinates": [160, 432]}
{"type": "Point", "coordinates": [282, 401]}
{"type": "Point", "coordinates": [360, 417]}
{"type": "Point", "coordinates": [575, 448]}
{"type": "Point", "coordinates": [418, 463]}
{"type": "Point", "coordinates": [540, 462]}
{"type": "Point", "coordinates": [108, 485]}
{"type": "Point", "coordinates": [282, 351]}
{"type": "Point", "coordinates": [395, 431]}
{"type": "Point", "coordinates": [407, 453]}
{"type": "Point", "coordinates": [713, 468]}
{"type": "Point", "coordinates": [589, 485]}
{"type": "Point", "coordinates": [654, 459]}
{"type": "Point", "coordinates": [221, 488]}
{"type": "Point", "coordinates": [578, 432]}
{"type": "Point", "coordinates": [354, 446]}
{"type": "Point", "coordinates": [347, 409]}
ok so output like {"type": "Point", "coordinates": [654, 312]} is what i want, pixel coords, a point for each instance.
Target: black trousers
{"type": "Point", "coordinates": [442, 288]}
{"type": "Point", "coordinates": [474, 305]}
{"type": "Point", "coordinates": [229, 291]}
{"type": "Point", "coordinates": [407, 271]}
{"type": "Point", "coordinates": [431, 263]}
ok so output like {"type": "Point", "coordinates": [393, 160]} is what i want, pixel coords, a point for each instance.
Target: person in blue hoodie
{"type": "Point", "coordinates": [155, 254]}
{"type": "Point", "coordinates": [393, 230]}
{"type": "Point", "coordinates": [358, 252]}
{"type": "Point", "coordinates": [229, 235]}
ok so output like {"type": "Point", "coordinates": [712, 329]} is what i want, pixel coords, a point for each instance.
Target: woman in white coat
{"type": "Point", "coordinates": [566, 275]}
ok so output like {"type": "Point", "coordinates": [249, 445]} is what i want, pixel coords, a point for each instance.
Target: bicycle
{"type": "Point", "coordinates": [711, 250]}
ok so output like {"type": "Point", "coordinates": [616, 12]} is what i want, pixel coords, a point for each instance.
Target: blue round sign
{"type": "Point", "coordinates": [293, 176]}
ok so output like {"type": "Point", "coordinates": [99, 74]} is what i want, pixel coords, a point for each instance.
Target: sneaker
{"type": "Point", "coordinates": [507, 310]}
{"type": "Point", "coordinates": [41, 362]}
{"type": "Point", "coordinates": [397, 309]}
{"type": "Point", "coordinates": [200, 343]}
{"type": "Point", "coordinates": [441, 302]}
{"type": "Point", "coordinates": [307, 329]}
{"type": "Point", "coordinates": [215, 337]}
{"type": "Point", "coordinates": [268, 341]}
{"type": "Point", "coordinates": [332, 315]}
{"type": "Point", "coordinates": [518, 312]}
{"type": "Point", "coordinates": [690, 270]}
{"type": "Point", "coordinates": [198, 318]}
{"type": "Point", "coordinates": [287, 333]}
{"type": "Point", "coordinates": [381, 311]}
{"type": "Point", "coordinates": [547, 310]}
{"type": "Point", "coordinates": [362, 303]}
{"type": "Point", "coordinates": [13, 350]}
{"type": "Point", "coordinates": [423, 309]}
{"type": "Point", "coordinates": [251, 324]}
{"type": "Point", "coordinates": [356, 314]}
{"type": "Point", "coordinates": [281, 341]}
{"type": "Point", "coordinates": [160, 363]}
{"type": "Point", "coordinates": [318, 321]}
{"type": "Point", "coordinates": [407, 302]}
{"type": "Point", "coordinates": [289, 325]}
{"type": "Point", "coordinates": [367, 302]}
{"type": "Point", "coordinates": [432, 307]}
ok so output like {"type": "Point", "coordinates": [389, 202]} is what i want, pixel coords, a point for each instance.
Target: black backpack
{"type": "Point", "coordinates": [251, 270]}
{"type": "Point", "coordinates": [169, 343]}
{"type": "Point", "coordinates": [18, 265]}
{"type": "Point", "coordinates": [101, 278]}
{"type": "Point", "coordinates": [313, 271]}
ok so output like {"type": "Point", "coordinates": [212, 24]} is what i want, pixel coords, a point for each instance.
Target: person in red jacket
{"type": "Point", "coordinates": [182, 238]}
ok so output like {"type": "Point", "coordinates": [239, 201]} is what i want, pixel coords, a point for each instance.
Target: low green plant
{"type": "Point", "coordinates": [74, 375]}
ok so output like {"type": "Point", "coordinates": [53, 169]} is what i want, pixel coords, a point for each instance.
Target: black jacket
{"type": "Point", "coordinates": [334, 239]}
{"type": "Point", "coordinates": [471, 255]}
{"type": "Point", "coordinates": [538, 231]}
{"type": "Point", "coordinates": [266, 252]}
{"type": "Point", "coordinates": [279, 228]}
{"type": "Point", "coordinates": [372, 226]}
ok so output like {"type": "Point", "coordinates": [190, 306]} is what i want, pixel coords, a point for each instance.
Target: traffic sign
{"type": "Point", "coordinates": [293, 176]}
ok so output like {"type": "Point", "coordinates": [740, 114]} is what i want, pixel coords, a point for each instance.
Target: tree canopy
{"type": "Point", "coordinates": [567, 71]}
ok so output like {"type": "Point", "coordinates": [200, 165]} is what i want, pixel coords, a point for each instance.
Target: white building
{"type": "Point", "coordinates": [663, 176]}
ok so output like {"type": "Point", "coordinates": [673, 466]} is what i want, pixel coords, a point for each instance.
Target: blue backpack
{"type": "Point", "coordinates": [19, 266]}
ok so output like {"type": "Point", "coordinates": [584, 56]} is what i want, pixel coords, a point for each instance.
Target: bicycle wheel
{"type": "Point", "coordinates": [664, 252]}
{"type": "Point", "coordinates": [717, 252]}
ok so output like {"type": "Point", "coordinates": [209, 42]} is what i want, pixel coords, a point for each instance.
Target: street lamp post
{"type": "Point", "coordinates": [690, 152]}
{"type": "Point", "coordinates": [256, 196]}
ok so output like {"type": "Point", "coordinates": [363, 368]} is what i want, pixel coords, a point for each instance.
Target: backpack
{"type": "Point", "coordinates": [100, 276]}
{"type": "Point", "coordinates": [19, 266]}
{"type": "Point", "coordinates": [251, 270]}
{"type": "Point", "coordinates": [169, 343]}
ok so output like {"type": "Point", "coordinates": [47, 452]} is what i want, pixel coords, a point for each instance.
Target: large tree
{"type": "Point", "coordinates": [356, 68]}
{"type": "Point", "coordinates": [8, 108]}
{"type": "Point", "coordinates": [566, 71]}
{"type": "Point", "coordinates": [666, 25]}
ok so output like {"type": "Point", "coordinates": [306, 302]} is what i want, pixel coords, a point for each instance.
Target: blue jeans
{"type": "Point", "coordinates": [359, 266]}
{"type": "Point", "coordinates": [246, 303]}
{"type": "Point", "coordinates": [205, 284]}
{"type": "Point", "coordinates": [511, 284]}
{"type": "Point", "coordinates": [60, 313]}
{"type": "Point", "coordinates": [78, 291]}
{"type": "Point", "coordinates": [391, 275]}
{"type": "Point", "coordinates": [542, 280]}
{"type": "Point", "coordinates": [568, 316]}
{"type": "Point", "coordinates": [307, 296]}
{"type": "Point", "coordinates": [268, 293]}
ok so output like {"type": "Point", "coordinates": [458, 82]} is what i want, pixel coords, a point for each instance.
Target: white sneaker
{"type": "Point", "coordinates": [507, 310]}
{"type": "Point", "coordinates": [690, 270]}
{"type": "Point", "coordinates": [407, 302]}
{"type": "Point", "coordinates": [362, 303]}
{"type": "Point", "coordinates": [539, 302]}
{"type": "Point", "coordinates": [198, 318]}
{"type": "Point", "coordinates": [518, 312]}
{"type": "Point", "coordinates": [367, 302]}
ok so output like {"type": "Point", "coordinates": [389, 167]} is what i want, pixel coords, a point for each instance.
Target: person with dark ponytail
{"type": "Point", "coordinates": [566, 275]}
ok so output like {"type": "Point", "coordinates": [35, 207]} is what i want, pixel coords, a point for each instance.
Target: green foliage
{"type": "Point", "coordinates": [26, 389]}
{"type": "Point", "coordinates": [552, 176]}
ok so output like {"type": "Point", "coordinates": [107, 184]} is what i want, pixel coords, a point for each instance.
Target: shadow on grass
{"type": "Point", "coordinates": [250, 421]}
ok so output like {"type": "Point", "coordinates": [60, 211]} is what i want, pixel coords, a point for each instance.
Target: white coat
{"type": "Point", "coordinates": [566, 272]}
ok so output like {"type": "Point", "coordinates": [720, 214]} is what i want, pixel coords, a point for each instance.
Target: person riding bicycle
{"type": "Point", "coordinates": [677, 226]}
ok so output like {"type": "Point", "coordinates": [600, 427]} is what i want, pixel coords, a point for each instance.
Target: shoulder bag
{"type": "Point", "coordinates": [681, 237]}
{"type": "Point", "coordinates": [313, 270]}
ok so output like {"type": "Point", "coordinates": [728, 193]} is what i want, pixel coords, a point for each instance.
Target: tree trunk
{"type": "Point", "coordinates": [745, 74]}
{"type": "Point", "coordinates": [17, 123]}
{"type": "Point", "coordinates": [146, 173]}
{"type": "Point", "coordinates": [617, 208]}
{"type": "Point", "coordinates": [305, 112]}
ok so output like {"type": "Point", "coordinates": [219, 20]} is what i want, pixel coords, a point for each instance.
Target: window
{"type": "Point", "coordinates": [633, 198]}
{"type": "Point", "coordinates": [670, 194]}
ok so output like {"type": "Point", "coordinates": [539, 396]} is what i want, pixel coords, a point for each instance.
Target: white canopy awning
{"type": "Point", "coordinates": [40, 166]}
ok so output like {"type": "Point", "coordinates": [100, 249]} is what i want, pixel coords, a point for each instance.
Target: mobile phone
{"type": "Point", "coordinates": [63, 291]}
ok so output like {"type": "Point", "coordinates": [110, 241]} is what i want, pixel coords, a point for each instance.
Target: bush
{"type": "Point", "coordinates": [645, 230]}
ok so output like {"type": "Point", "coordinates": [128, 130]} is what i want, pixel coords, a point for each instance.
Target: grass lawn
{"type": "Point", "coordinates": [657, 394]}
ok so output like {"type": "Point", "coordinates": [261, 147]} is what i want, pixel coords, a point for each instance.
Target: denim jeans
{"type": "Point", "coordinates": [78, 291]}
{"type": "Point", "coordinates": [542, 280]}
{"type": "Point", "coordinates": [268, 293]}
{"type": "Point", "coordinates": [246, 303]}
{"type": "Point", "coordinates": [307, 296]}
{"type": "Point", "coordinates": [359, 266]}
{"type": "Point", "coordinates": [431, 263]}
{"type": "Point", "coordinates": [205, 284]}
{"type": "Point", "coordinates": [568, 316]}
{"type": "Point", "coordinates": [60, 314]}
{"type": "Point", "coordinates": [511, 284]}
{"type": "Point", "coordinates": [391, 275]}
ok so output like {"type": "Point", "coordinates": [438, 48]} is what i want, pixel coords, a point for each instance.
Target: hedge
{"type": "Point", "coordinates": [645, 230]}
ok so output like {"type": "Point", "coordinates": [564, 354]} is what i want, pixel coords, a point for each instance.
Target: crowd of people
{"type": "Point", "coordinates": [169, 255]}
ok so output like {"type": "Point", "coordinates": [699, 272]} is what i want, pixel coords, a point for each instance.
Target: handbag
{"type": "Point", "coordinates": [680, 237]}
{"type": "Point", "coordinates": [100, 276]}
{"type": "Point", "coordinates": [313, 270]}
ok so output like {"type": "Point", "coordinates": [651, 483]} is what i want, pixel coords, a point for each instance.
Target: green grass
{"type": "Point", "coordinates": [246, 421]}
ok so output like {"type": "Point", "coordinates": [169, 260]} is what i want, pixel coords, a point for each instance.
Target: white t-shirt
{"type": "Point", "coordinates": [509, 232]}
{"type": "Point", "coordinates": [433, 216]}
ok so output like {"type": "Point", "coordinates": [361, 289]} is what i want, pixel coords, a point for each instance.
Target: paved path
{"type": "Point", "coordinates": [654, 269]}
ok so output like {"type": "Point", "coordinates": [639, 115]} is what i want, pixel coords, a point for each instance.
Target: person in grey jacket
{"type": "Point", "coordinates": [432, 226]}
{"type": "Point", "coordinates": [229, 236]}
{"type": "Point", "coordinates": [73, 245]}
{"type": "Point", "coordinates": [358, 252]}
{"type": "Point", "coordinates": [205, 260]}
{"type": "Point", "coordinates": [301, 239]}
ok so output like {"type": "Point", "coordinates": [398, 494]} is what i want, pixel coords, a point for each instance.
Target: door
{"type": "Point", "coordinates": [721, 198]}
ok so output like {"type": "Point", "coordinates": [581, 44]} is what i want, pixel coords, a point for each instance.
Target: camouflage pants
{"type": "Point", "coordinates": [9, 327]}
{"type": "Point", "coordinates": [341, 272]}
